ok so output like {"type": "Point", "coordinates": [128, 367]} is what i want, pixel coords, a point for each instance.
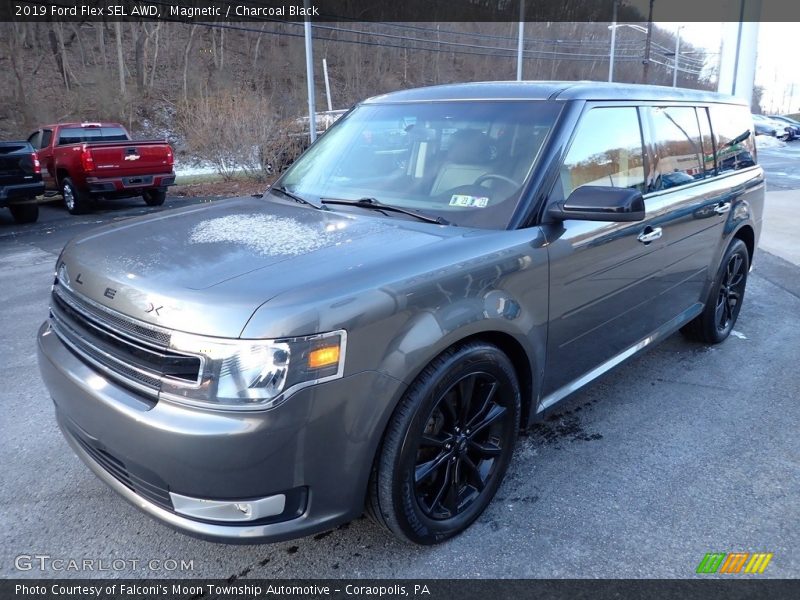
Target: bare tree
{"type": "Point", "coordinates": [120, 59]}
{"type": "Point", "coordinates": [15, 44]}
{"type": "Point", "coordinates": [155, 54]}
{"type": "Point", "coordinates": [186, 63]}
{"type": "Point", "coordinates": [140, 38]}
{"type": "Point", "coordinates": [56, 36]}
{"type": "Point", "coordinates": [101, 42]}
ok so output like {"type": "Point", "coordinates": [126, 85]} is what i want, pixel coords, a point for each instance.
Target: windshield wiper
{"type": "Point", "coordinates": [373, 204]}
{"type": "Point", "coordinates": [282, 189]}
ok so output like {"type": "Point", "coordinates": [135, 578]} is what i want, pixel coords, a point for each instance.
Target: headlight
{"type": "Point", "coordinates": [255, 374]}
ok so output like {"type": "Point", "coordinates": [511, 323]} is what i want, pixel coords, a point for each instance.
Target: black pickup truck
{"type": "Point", "coordinates": [20, 180]}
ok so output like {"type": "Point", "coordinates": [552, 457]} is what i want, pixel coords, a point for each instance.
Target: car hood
{"type": "Point", "coordinates": [206, 269]}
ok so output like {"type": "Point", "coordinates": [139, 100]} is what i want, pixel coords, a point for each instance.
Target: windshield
{"type": "Point", "coordinates": [466, 162]}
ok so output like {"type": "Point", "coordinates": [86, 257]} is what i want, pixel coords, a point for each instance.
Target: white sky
{"type": "Point", "coordinates": [776, 71]}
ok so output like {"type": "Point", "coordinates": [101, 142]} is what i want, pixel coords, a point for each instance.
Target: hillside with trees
{"type": "Point", "coordinates": [229, 93]}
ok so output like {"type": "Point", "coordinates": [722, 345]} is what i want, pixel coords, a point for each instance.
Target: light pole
{"type": "Point", "coordinates": [613, 27]}
{"type": "Point", "coordinates": [312, 112]}
{"type": "Point", "coordinates": [613, 43]}
{"type": "Point", "coordinates": [677, 50]}
{"type": "Point", "coordinates": [521, 38]}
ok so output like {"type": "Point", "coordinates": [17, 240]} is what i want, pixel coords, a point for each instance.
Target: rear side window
{"type": "Point", "coordinates": [47, 135]}
{"type": "Point", "coordinates": [678, 158]}
{"type": "Point", "coordinates": [733, 137]}
{"type": "Point", "coordinates": [606, 151]}
{"type": "Point", "coordinates": [76, 135]}
{"type": "Point", "coordinates": [33, 140]}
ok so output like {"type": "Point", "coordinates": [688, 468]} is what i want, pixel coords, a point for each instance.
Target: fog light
{"type": "Point", "coordinates": [228, 510]}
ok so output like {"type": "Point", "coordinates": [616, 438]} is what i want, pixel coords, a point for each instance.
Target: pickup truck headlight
{"type": "Point", "coordinates": [255, 374]}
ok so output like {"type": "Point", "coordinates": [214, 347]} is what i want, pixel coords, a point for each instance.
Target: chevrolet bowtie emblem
{"type": "Point", "coordinates": [153, 308]}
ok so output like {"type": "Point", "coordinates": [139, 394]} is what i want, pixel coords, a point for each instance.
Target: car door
{"type": "Point", "coordinates": [688, 200]}
{"type": "Point", "coordinates": [603, 275]}
{"type": "Point", "coordinates": [684, 204]}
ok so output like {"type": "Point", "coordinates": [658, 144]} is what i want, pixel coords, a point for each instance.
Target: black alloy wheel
{"type": "Point", "coordinates": [725, 296]}
{"type": "Point", "coordinates": [731, 291]}
{"type": "Point", "coordinates": [447, 446]}
{"type": "Point", "coordinates": [457, 454]}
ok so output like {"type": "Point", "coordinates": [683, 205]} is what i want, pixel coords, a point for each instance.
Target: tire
{"type": "Point", "coordinates": [24, 213]}
{"type": "Point", "coordinates": [442, 460]}
{"type": "Point", "coordinates": [724, 299]}
{"type": "Point", "coordinates": [155, 197]}
{"type": "Point", "coordinates": [75, 200]}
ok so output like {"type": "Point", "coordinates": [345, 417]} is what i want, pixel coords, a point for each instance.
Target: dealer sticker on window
{"type": "Point", "coordinates": [469, 201]}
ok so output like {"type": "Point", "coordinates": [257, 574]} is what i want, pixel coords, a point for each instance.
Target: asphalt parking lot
{"type": "Point", "coordinates": [686, 450]}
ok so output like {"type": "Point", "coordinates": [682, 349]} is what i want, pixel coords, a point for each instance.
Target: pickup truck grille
{"type": "Point", "coordinates": [132, 353]}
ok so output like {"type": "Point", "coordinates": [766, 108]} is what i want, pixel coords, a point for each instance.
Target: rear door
{"type": "Point", "coordinates": [688, 198]}
{"type": "Point", "coordinates": [602, 275]}
{"type": "Point", "coordinates": [684, 203]}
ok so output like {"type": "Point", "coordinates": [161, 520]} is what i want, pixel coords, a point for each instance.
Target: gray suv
{"type": "Point", "coordinates": [437, 270]}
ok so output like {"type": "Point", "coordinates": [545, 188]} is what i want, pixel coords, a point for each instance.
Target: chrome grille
{"type": "Point", "coordinates": [133, 354]}
{"type": "Point", "coordinates": [141, 331]}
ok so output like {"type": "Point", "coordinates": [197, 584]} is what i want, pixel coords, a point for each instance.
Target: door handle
{"type": "Point", "coordinates": [650, 234]}
{"type": "Point", "coordinates": [721, 209]}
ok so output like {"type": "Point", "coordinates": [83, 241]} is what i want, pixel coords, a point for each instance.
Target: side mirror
{"type": "Point", "coordinates": [600, 203]}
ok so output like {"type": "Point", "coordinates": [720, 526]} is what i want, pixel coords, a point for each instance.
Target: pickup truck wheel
{"type": "Point", "coordinates": [155, 197]}
{"type": "Point", "coordinates": [24, 213]}
{"type": "Point", "coordinates": [76, 201]}
{"type": "Point", "coordinates": [724, 299]}
{"type": "Point", "coordinates": [447, 446]}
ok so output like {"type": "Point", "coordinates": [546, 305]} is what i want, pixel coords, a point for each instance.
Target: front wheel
{"type": "Point", "coordinates": [724, 299]}
{"type": "Point", "coordinates": [447, 446]}
{"type": "Point", "coordinates": [24, 213]}
{"type": "Point", "coordinates": [155, 197]}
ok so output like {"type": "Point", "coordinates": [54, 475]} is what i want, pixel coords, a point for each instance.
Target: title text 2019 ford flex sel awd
{"type": "Point", "coordinates": [438, 268]}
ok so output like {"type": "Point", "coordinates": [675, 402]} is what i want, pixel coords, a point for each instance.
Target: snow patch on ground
{"type": "Point", "coordinates": [266, 234]}
{"type": "Point", "coordinates": [198, 167]}
{"type": "Point", "coordinates": [191, 170]}
{"type": "Point", "coordinates": [767, 141]}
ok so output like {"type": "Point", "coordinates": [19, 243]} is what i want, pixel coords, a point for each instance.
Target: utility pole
{"type": "Point", "coordinates": [520, 39]}
{"type": "Point", "coordinates": [613, 42]}
{"type": "Point", "coordinates": [646, 69]}
{"type": "Point", "coordinates": [327, 83]}
{"type": "Point", "coordinates": [677, 53]}
{"type": "Point", "coordinates": [312, 112]}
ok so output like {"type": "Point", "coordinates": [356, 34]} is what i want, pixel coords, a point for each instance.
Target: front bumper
{"type": "Point", "coordinates": [317, 448]}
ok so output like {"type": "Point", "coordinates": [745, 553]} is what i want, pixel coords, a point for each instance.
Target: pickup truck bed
{"type": "Point", "coordinates": [20, 180]}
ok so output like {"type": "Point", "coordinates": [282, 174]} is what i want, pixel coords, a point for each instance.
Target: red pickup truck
{"type": "Point", "coordinates": [81, 160]}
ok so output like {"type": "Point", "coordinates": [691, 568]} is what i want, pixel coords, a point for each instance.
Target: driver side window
{"type": "Point", "coordinates": [606, 151]}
